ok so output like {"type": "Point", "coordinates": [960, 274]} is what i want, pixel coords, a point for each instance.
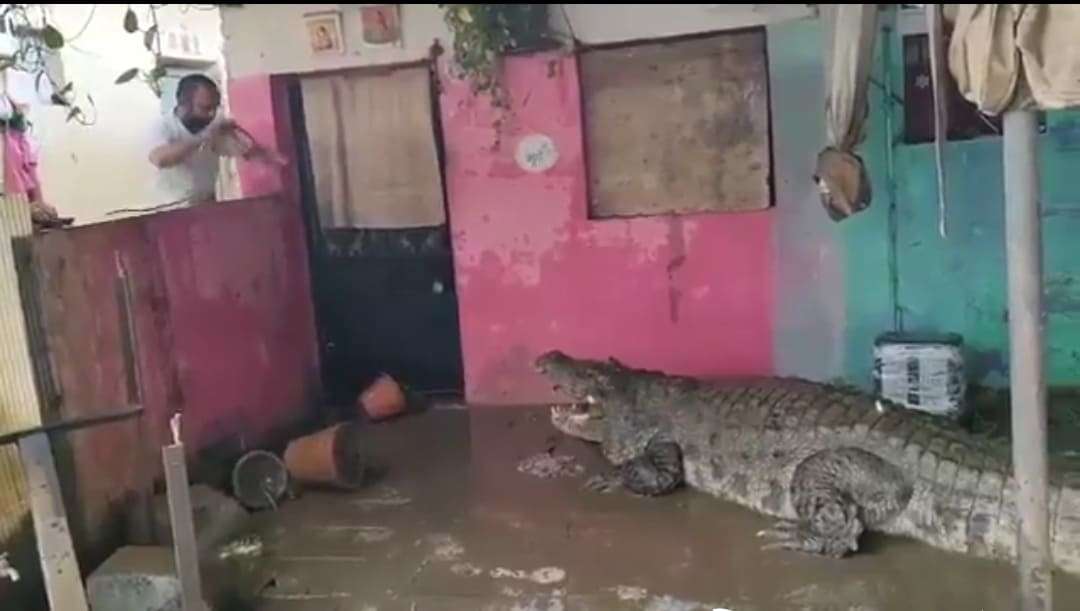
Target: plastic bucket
{"type": "Point", "coordinates": [259, 480]}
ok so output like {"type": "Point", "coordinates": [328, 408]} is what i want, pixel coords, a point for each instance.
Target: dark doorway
{"type": "Point", "coordinates": [385, 298]}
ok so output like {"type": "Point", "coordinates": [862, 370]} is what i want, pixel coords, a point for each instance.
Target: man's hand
{"type": "Point", "coordinates": [253, 151]}
{"type": "Point", "coordinates": [262, 154]}
{"type": "Point", "coordinates": [223, 127]}
{"type": "Point", "coordinates": [230, 138]}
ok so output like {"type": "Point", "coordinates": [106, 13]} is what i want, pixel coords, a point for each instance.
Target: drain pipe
{"type": "Point", "coordinates": [1027, 376]}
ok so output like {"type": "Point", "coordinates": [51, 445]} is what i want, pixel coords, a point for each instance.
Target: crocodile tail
{"type": "Point", "coordinates": [995, 534]}
{"type": "Point", "coordinates": [992, 523]}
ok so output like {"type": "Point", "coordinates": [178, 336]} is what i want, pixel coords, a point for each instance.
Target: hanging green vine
{"type": "Point", "coordinates": [39, 41]}
{"type": "Point", "coordinates": [484, 33]}
{"type": "Point", "coordinates": [151, 37]}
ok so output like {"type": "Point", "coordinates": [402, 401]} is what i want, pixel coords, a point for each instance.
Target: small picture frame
{"type": "Point", "coordinates": [325, 33]}
{"type": "Point", "coordinates": [381, 25]}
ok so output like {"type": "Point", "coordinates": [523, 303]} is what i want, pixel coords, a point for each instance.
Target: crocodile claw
{"type": "Point", "coordinates": [783, 535]}
{"type": "Point", "coordinates": [603, 484]}
{"type": "Point", "coordinates": [792, 536]}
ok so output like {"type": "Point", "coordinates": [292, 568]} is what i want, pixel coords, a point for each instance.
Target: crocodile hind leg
{"type": "Point", "coordinates": [656, 472]}
{"type": "Point", "coordinates": [830, 526]}
{"type": "Point", "coordinates": [836, 495]}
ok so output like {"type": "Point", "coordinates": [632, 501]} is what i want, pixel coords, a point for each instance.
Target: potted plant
{"type": "Point", "coordinates": [484, 33]}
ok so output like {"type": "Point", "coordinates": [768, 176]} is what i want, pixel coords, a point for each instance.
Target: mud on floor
{"type": "Point", "coordinates": [457, 526]}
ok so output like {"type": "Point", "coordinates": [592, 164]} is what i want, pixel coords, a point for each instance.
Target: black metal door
{"type": "Point", "coordinates": [384, 298]}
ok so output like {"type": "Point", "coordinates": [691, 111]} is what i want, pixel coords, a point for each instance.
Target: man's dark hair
{"type": "Point", "coordinates": [191, 83]}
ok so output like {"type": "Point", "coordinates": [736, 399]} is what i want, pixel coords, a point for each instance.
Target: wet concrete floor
{"type": "Point", "coordinates": [455, 526]}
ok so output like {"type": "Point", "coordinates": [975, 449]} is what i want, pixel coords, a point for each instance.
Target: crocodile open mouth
{"type": "Point", "coordinates": [584, 421]}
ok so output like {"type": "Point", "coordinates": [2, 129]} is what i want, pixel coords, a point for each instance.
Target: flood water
{"type": "Point", "coordinates": [454, 525]}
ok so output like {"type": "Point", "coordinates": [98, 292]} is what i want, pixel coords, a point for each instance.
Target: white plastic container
{"type": "Point", "coordinates": [923, 372]}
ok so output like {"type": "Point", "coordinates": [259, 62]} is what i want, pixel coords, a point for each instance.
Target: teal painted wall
{"type": "Point", "coordinates": [957, 283]}
{"type": "Point", "coordinates": [808, 281]}
{"type": "Point", "coordinates": [868, 296]}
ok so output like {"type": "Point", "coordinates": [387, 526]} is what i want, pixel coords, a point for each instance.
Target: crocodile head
{"type": "Point", "coordinates": [613, 414]}
{"type": "Point", "coordinates": [588, 383]}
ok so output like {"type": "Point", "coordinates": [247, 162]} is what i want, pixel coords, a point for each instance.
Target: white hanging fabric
{"type": "Point", "coordinates": [840, 175]}
{"type": "Point", "coordinates": [373, 149]}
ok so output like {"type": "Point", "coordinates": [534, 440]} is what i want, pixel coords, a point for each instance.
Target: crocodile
{"type": "Point", "coordinates": [827, 463]}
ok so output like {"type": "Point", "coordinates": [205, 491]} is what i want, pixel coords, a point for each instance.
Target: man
{"type": "Point", "coordinates": [189, 142]}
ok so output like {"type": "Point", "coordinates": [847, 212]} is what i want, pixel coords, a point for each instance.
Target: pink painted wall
{"type": "Point", "coordinates": [251, 103]}
{"type": "Point", "coordinates": [687, 294]}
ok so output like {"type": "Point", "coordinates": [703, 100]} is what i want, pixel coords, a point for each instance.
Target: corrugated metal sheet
{"type": "Point", "coordinates": [19, 407]}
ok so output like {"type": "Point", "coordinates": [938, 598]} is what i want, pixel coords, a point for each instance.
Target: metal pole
{"type": "Point", "coordinates": [185, 548]}
{"type": "Point", "coordinates": [1023, 245]}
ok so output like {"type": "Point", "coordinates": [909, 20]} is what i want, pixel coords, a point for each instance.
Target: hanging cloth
{"type": "Point", "coordinates": [1014, 56]}
{"type": "Point", "coordinates": [840, 174]}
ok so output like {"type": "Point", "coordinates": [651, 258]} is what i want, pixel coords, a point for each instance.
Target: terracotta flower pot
{"type": "Point", "coordinates": [383, 398]}
{"type": "Point", "coordinates": [326, 458]}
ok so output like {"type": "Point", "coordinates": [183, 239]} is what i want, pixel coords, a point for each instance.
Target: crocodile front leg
{"type": "Point", "coordinates": [837, 494]}
{"type": "Point", "coordinates": [656, 472]}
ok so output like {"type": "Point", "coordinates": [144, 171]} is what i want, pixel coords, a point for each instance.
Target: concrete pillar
{"type": "Point", "coordinates": [1023, 244]}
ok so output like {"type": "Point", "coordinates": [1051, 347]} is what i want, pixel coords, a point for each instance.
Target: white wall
{"type": "Point", "coordinates": [271, 38]}
{"type": "Point", "coordinates": [607, 23]}
{"type": "Point", "coordinates": [87, 171]}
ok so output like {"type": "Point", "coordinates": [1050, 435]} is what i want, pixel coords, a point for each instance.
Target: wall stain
{"type": "Point", "coordinates": [1066, 135]}
{"type": "Point", "coordinates": [1061, 294]}
{"type": "Point", "coordinates": [677, 244]}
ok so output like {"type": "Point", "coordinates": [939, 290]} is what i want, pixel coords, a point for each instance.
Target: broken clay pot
{"type": "Point", "coordinates": [383, 399]}
{"type": "Point", "coordinates": [326, 458]}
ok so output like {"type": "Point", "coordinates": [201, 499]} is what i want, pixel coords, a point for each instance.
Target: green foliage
{"type": "Point", "coordinates": [152, 41]}
{"type": "Point", "coordinates": [127, 75]}
{"type": "Point", "coordinates": [39, 41]}
{"type": "Point", "coordinates": [483, 33]}
{"type": "Point", "coordinates": [52, 37]}
{"type": "Point", "coordinates": [481, 36]}
{"type": "Point", "coordinates": [131, 22]}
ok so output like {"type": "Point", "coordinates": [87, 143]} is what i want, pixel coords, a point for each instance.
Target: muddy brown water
{"type": "Point", "coordinates": [453, 525]}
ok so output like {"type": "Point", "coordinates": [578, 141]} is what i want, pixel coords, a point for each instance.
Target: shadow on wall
{"type": "Point", "coordinates": [989, 367]}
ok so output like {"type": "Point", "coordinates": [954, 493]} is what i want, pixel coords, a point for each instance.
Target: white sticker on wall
{"type": "Point", "coordinates": [536, 153]}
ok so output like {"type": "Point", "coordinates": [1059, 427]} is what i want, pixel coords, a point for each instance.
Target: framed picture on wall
{"type": "Point", "coordinates": [325, 33]}
{"type": "Point", "coordinates": [381, 24]}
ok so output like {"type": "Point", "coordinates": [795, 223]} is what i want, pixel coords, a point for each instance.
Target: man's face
{"type": "Point", "coordinates": [200, 111]}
